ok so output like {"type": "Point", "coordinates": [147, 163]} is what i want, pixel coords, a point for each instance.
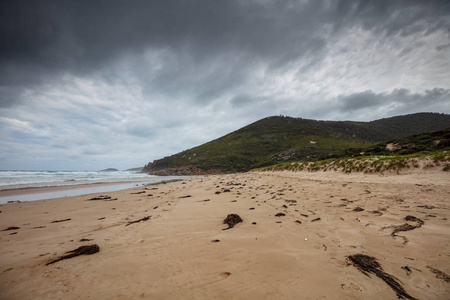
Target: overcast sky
{"type": "Point", "coordinates": [88, 85]}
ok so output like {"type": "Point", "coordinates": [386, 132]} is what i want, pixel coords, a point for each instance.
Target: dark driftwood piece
{"type": "Point", "coordinates": [83, 250]}
{"type": "Point", "coordinates": [231, 220]}
{"type": "Point", "coordinates": [85, 240]}
{"type": "Point", "coordinates": [101, 197]}
{"type": "Point", "coordinates": [426, 206]}
{"type": "Point", "coordinates": [58, 221]}
{"type": "Point", "coordinates": [137, 221]}
{"type": "Point", "coordinates": [11, 228]}
{"type": "Point", "coordinates": [367, 264]}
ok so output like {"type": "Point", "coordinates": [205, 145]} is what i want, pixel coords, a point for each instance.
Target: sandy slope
{"type": "Point", "coordinates": [173, 256]}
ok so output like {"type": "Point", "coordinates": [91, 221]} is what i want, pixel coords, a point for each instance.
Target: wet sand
{"type": "Point", "coordinates": [167, 241]}
{"type": "Point", "coordinates": [51, 192]}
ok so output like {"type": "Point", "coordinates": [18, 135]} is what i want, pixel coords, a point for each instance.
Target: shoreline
{"type": "Point", "coordinates": [25, 194]}
{"type": "Point", "coordinates": [298, 229]}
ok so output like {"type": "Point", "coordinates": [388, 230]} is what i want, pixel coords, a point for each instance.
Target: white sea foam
{"type": "Point", "coordinates": [69, 183]}
{"type": "Point", "coordinates": [23, 179]}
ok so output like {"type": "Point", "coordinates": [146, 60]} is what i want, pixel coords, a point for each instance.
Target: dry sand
{"type": "Point", "coordinates": [181, 251]}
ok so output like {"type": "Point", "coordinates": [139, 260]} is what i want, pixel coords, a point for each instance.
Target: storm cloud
{"type": "Point", "coordinates": [118, 83]}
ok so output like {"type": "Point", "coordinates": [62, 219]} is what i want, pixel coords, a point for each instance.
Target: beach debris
{"type": "Point", "coordinates": [218, 192]}
{"type": "Point", "coordinates": [367, 264]}
{"type": "Point", "coordinates": [407, 269]}
{"type": "Point", "coordinates": [137, 193]}
{"type": "Point", "coordinates": [231, 220]}
{"type": "Point", "coordinates": [358, 209]}
{"type": "Point", "coordinates": [102, 218]}
{"type": "Point", "coordinates": [11, 228]}
{"type": "Point", "coordinates": [426, 206]}
{"type": "Point", "coordinates": [83, 250]}
{"type": "Point", "coordinates": [225, 274]}
{"type": "Point", "coordinates": [85, 240]}
{"type": "Point", "coordinates": [215, 241]}
{"type": "Point", "coordinates": [13, 233]}
{"type": "Point", "coordinates": [376, 212]}
{"type": "Point", "coordinates": [226, 190]}
{"type": "Point", "coordinates": [298, 221]}
{"type": "Point", "coordinates": [405, 227]}
{"type": "Point", "coordinates": [324, 247]}
{"type": "Point", "coordinates": [306, 216]}
{"type": "Point", "coordinates": [254, 223]}
{"type": "Point", "coordinates": [206, 200]}
{"type": "Point", "coordinates": [439, 274]}
{"type": "Point", "coordinates": [187, 196]}
{"type": "Point", "coordinates": [59, 221]}
{"type": "Point", "coordinates": [101, 197]}
{"type": "Point", "coordinates": [280, 215]}
{"type": "Point", "coordinates": [37, 227]}
{"type": "Point", "coordinates": [137, 221]}
{"type": "Point", "coordinates": [251, 208]}
{"type": "Point", "coordinates": [316, 219]}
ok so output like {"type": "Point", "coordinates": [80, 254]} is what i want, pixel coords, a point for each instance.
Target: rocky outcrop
{"type": "Point", "coordinates": [153, 168]}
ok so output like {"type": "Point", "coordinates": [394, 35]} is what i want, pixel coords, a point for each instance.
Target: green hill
{"type": "Point", "coordinates": [426, 150]}
{"type": "Point", "coordinates": [279, 139]}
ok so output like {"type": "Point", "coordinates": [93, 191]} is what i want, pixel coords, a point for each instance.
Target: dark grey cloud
{"type": "Point", "coordinates": [360, 100]}
{"type": "Point", "coordinates": [399, 101]}
{"type": "Point", "coordinates": [44, 39]}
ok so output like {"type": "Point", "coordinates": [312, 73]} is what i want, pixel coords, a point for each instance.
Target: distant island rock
{"type": "Point", "coordinates": [109, 170]}
{"type": "Point", "coordinates": [138, 169]}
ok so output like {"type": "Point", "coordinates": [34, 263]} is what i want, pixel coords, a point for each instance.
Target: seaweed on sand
{"type": "Point", "coordinates": [406, 227]}
{"type": "Point", "coordinates": [439, 274]}
{"type": "Point", "coordinates": [83, 250]}
{"type": "Point", "coordinates": [231, 220]}
{"type": "Point", "coordinates": [137, 221]}
{"type": "Point", "coordinates": [367, 264]}
{"type": "Point", "coordinates": [11, 228]}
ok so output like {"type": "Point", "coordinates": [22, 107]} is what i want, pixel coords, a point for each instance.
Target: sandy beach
{"type": "Point", "coordinates": [297, 233]}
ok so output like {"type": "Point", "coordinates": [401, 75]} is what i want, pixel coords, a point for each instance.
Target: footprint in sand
{"type": "Point", "coordinates": [350, 286]}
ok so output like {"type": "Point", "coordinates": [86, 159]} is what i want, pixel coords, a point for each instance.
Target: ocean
{"type": "Point", "coordinates": [36, 185]}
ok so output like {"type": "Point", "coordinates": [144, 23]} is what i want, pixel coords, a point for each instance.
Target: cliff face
{"type": "Point", "coordinates": [153, 168]}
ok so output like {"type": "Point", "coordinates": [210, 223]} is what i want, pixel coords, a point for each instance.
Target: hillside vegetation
{"type": "Point", "coordinates": [426, 150]}
{"type": "Point", "coordinates": [284, 139]}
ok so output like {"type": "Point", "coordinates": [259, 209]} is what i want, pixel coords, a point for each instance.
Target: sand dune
{"type": "Point", "coordinates": [181, 251]}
